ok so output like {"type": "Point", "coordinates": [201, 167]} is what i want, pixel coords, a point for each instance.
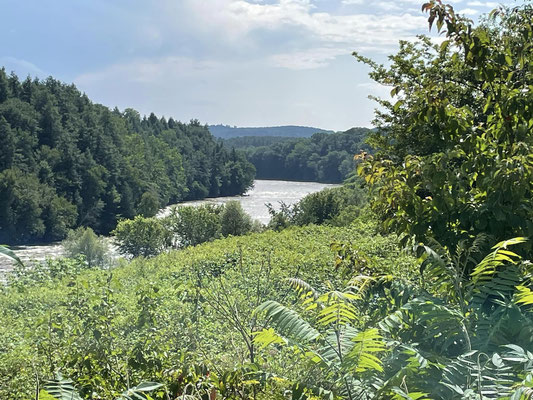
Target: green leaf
{"type": "Point", "coordinates": [10, 254]}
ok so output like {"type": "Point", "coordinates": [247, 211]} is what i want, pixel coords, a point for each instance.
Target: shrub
{"type": "Point", "coordinates": [234, 221]}
{"type": "Point", "coordinates": [142, 236]}
{"type": "Point", "coordinates": [83, 241]}
{"type": "Point", "coordinates": [337, 206]}
{"type": "Point", "coordinates": [194, 225]}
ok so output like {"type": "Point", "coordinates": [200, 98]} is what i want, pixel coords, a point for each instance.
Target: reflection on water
{"type": "Point", "coordinates": [252, 202]}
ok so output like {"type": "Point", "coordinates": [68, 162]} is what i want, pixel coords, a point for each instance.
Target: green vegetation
{"type": "Point", "coordinates": [337, 311]}
{"type": "Point", "coordinates": [321, 158]}
{"type": "Point", "coordinates": [227, 132]}
{"type": "Point", "coordinates": [185, 226]}
{"type": "Point", "coordinates": [194, 225]}
{"type": "Point", "coordinates": [245, 142]}
{"type": "Point", "coordinates": [84, 242]}
{"type": "Point", "coordinates": [233, 220]}
{"type": "Point", "coordinates": [454, 149]}
{"type": "Point", "coordinates": [66, 162]}
{"type": "Point", "coordinates": [182, 318]}
{"type": "Point", "coordinates": [338, 207]}
{"type": "Point", "coordinates": [142, 236]}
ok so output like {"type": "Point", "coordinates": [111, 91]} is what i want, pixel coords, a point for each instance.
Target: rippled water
{"type": "Point", "coordinates": [252, 202]}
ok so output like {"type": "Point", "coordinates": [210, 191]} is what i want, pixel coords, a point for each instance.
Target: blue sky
{"type": "Point", "coordinates": [237, 62]}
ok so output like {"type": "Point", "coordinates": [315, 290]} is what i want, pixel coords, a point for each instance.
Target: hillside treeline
{"type": "Point", "coordinates": [321, 158]}
{"type": "Point", "coordinates": [227, 132]}
{"type": "Point", "coordinates": [66, 162]}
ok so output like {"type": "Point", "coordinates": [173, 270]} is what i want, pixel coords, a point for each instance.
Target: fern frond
{"type": "Point", "coordinates": [288, 321]}
{"type": "Point", "coordinates": [524, 295]}
{"type": "Point", "coordinates": [489, 265]}
{"type": "Point", "coordinates": [337, 345]}
{"type": "Point", "coordinates": [303, 288]}
{"type": "Point", "coordinates": [5, 251]}
{"type": "Point", "coordinates": [140, 391]}
{"type": "Point", "coordinates": [61, 388]}
{"type": "Point", "coordinates": [266, 337]}
{"type": "Point", "coordinates": [338, 309]}
{"type": "Point", "coordinates": [363, 357]}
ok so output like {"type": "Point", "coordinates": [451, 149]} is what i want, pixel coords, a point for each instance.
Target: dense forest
{"type": "Point", "coordinates": [323, 157]}
{"type": "Point", "coordinates": [66, 162]}
{"type": "Point", "coordinates": [417, 285]}
{"type": "Point", "coordinates": [226, 131]}
{"type": "Point", "coordinates": [244, 142]}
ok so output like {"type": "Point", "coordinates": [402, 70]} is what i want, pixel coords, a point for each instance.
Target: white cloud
{"type": "Point", "coordinates": [352, 2]}
{"type": "Point", "coordinates": [310, 59]}
{"type": "Point", "coordinates": [238, 19]}
{"type": "Point", "coordinates": [146, 71]}
{"type": "Point", "coordinates": [468, 11]}
{"type": "Point", "coordinates": [488, 4]}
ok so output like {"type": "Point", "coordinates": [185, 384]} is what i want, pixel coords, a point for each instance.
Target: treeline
{"type": "Point", "coordinates": [321, 158]}
{"type": "Point", "coordinates": [244, 142]}
{"type": "Point", "coordinates": [226, 131]}
{"type": "Point", "coordinates": [68, 162]}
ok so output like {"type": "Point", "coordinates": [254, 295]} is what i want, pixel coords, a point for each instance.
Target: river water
{"type": "Point", "coordinates": [253, 202]}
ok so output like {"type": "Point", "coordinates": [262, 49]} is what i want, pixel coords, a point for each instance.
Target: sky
{"type": "Point", "coordinates": [234, 62]}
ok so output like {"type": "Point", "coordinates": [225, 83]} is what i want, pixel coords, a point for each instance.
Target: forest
{"type": "Point", "coordinates": [324, 157]}
{"type": "Point", "coordinates": [67, 162]}
{"type": "Point", "coordinates": [228, 132]}
{"type": "Point", "coordinates": [412, 281]}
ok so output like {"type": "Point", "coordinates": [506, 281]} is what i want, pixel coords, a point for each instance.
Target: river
{"type": "Point", "coordinates": [253, 202]}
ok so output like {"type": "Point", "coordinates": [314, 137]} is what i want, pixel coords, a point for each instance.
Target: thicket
{"type": "Point", "coordinates": [184, 226]}
{"type": "Point", "coordinates": [184, 319]}
{"type": "Point", "coordinates": [324, 157]}
{"type": "Point", "coordinates": [337, 206]}
{"type": "Point", "coordinates": [322, 312]}
{"type": "Point", "coordinates": [67, 162]}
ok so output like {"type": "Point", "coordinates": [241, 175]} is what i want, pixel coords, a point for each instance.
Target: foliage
{"type": "Point", "coordinates": [6, 252]}
{"type": "Point", "coordinates": [67, 162]}
{"type": "Point", "coordinates": [227, 132]}
{"type": "Point", "coordinates": [338, 206]}
{"type": "Point", "coordinates": [321, 158]}
{"type": "Point", "coordinates": [142, 236]}
{"type": "Point", "coordinates": [193, 225]}
{"type": "Point", "coordinates": [464, 334]}
{"type": "Point", "coordinates": [454, 150]}
{"type": "Point", "coordinates": [84, 242]}
{"type": "Point", "coordinates": [247, 142]}
{"type": "Point", "coordinates": [233, 220]}
{"type": "Point", "coordinates": [336, 344]}
{"type": "Point", "coordinates": [162, 319]}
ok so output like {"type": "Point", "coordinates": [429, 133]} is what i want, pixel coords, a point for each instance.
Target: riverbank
{"type": "Point", "coordinates": [253, 203]}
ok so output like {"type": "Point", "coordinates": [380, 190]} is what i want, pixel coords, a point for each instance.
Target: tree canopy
{"type": "Point", "coordinates": [68, 162]}
{"type": "Point", "coordinates": [454, 148]}
{"type": "Point", "coordinates": [324, 157]}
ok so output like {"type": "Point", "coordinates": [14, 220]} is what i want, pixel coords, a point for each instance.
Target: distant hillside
{"type": "Point", "coordinates": [243, 142]}
{"type": "Point", "coordinates": [226, 131]}
{"type": "Point", "coordinates": [323, 157]}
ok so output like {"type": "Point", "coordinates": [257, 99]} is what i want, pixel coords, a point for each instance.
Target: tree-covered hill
{"type": "Point", "coordinates": [226, 131]}
{"type": "Point", "coordinates": [322, 157]}
{"type": "Point", "coordinates": [244, 142]}
{"type": "Point", "coordinates": [66, 161]}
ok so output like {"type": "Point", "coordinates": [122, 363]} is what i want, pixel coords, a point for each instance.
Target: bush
{"type": "Point", "coordinates": [338, 206]}
{"type": "Point", "coordinates": [234, 221]}
{"type": "Point", "coordinates": [83, 241]}
{"type": "Point", "coordinates": [194, 225]}
{"type": "Point", "coordinates": [142, 236]}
